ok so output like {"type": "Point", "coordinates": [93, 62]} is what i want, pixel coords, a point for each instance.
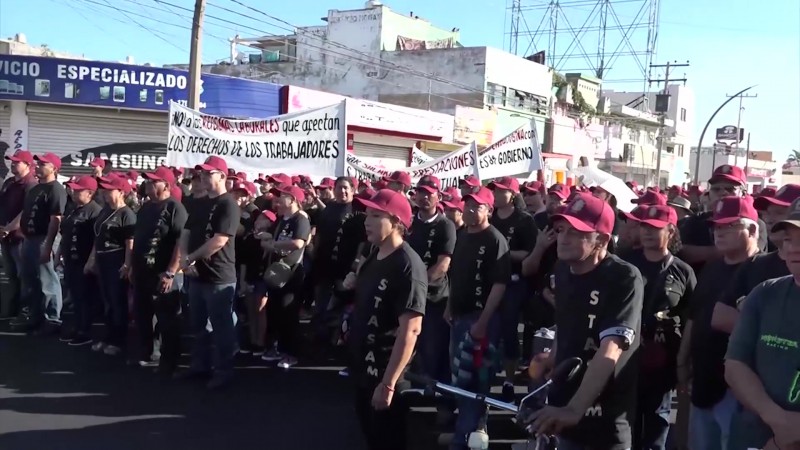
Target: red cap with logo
{"type": "Point", "coordinates": [326, 183]}
{"type": "Point", "coordinates": [114, 182]}
{"type": "Point", "coordinates": [651, 198]}
{"type": "Point", "coordinates": [506, 184]}
{"type": "Point", "coordinates": [636, 214]}
{"type": "Point", "coordinates": [471, 181]}
{"type": "Point", "coordinates": [430, 184]}
{"type": "Point", "coordinates": [483, 196]}
{"type": "Point", "coordinates": [783, 197]}
{"type": "Point", "coordinates": [727, 174]}
{"type": "Point", "coordinates": [451, 194]}
{"type": "Point", "coordinates": [659, 216]}
{"type": "Point", "coordinates": [213, 163]}
{"type": "Point", "coordinates": [588, 213]}
{"type": "Point", "coordinates": [534, 187]}
{"type": "Point", "coordinates": [49, 158]}
{"type": "Point", "coordinates": [98, 162]}
{"type": "Point", "coordinates": [279, 179]}
{"type": "Point", "coordinates": [392, 203]}
{"type": "Point", "coordinates": [294, 191]}
{"type": "Point", "coordinates": [245, 186]}
{"type": "Point", "coordinates": [21, 156]}
{"type": "Point", "coordinates": [163, 173]}
{"type": "Point", "coordinates": [731, 209]}
{"type": "Point", "coordinates": [83, 183]}
{"type": "Point", "coordinates": [401, 177]}
{"type": "Point", "coordinates": [366, 194]}
{"type": "Point", "coordinates": [456, 203]}
{"type": "Point", "coordinates": [269, 215]}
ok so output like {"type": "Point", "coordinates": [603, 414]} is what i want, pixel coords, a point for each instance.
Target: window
{"type": "Point", "coordinates": [683, 114]}
{"type": "Point", "coordinates": [679, 148]}
{"type": "Point", "coordinates": [496, 94]}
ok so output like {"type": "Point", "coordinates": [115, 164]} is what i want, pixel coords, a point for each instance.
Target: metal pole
{"type": "Point", "coordinates": [738, 127]}
{"type": "Point", "coordinates": [705, 128]}
{"type": "Point", "coordinates": [196, 54]}
{"type": "Point", "coordinates": [747, 156]}
{"type": "Point", "coordinates": [661, 132]}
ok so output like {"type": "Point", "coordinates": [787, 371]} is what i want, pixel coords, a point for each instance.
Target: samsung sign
{"type": "Point", "coordinates": [95, 83]}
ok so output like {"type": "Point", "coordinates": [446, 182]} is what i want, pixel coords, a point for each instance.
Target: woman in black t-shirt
{"type": "Point", "coordinates": [111, 259]}
{"type": "Point", "coordinates": [288, 246]}
{"type": "Point", "coordinates": [390, 290]}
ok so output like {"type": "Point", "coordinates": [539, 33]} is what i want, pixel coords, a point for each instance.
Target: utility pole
{"type": "Point", "coordinates": [747, 155]}
{"type": "Point", "coordinates": [739, 124]}
{"type": "Point", "coordinates": [196, 54]}
{"type": "Point", "coordinates": [665, 92]}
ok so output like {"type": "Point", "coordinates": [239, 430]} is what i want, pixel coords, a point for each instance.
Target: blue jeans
{"type": "Point", "coordinates": [115, 296]}
{"type": "Point", "coordinates": [651, 427]}
{"type": "Point", "coordinates": [12, 267]}
{"type": "Point", "coordinates": [517, 292]}
{"type": "Point", "coordinates": [83, 291]}
{"type": "Point", "coordinates": [470, 412]}
{"type": "Point", "coordinates": [434, 343]}
{"type": "Point", "coordinates": [214, 303]}
{"type": "Point", "coordinates": [41, 288]}
{"type": "Point", "coordinates": [710, 428]}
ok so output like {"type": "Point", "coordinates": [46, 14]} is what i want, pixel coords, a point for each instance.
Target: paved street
{"type": "Point", "coordinates": [64, 398]}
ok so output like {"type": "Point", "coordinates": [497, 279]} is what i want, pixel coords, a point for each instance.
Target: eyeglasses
{"type": "Point", "coordinates": [728, 189]}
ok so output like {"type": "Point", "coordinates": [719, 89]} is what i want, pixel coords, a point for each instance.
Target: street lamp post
{"type": "Point", "coordinates": [705, 128]}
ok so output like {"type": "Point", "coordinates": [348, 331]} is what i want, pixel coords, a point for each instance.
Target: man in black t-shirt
{"type": "Point", "coordinates": [41, 218]}
{"type": "Point", "coordinates": [703, 349]}
{"type": "Point", "coordinates": [155, 263]}
{"type": "Point", "coordinates": [207, 251]}
{"type": "Point", "coordinates": [469, 185]}
{"type": "Point", "coordinates": [479, 273]}
{"type": "Point", "coordinates": [598, 318]}
{"type": "Point", "coordinates": [433, 237]}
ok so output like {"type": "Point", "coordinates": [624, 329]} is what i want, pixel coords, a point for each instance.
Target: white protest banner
{"type": "Point", "coordinates": [450, 169]}
{"type": "Point", "coordinates": [310, 142]}
{"type": "Point", "coordinates": [518, 153]}
{"type": "Point", "coordinates": [418, 157]}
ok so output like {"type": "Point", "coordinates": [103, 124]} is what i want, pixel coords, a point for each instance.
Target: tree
{"type": "Point", "coordinates": [793, 160]}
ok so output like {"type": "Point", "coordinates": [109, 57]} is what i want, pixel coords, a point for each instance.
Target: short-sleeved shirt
{"type": "Point", "coordinates": [699, 231]}
{"type": "Point", "coordinates": [264, 202]}
{"type": "Point", "coordinates": [761, 268]}
{"type": "Point", "coordinates": [208, 217]}
{"type": "Point", "coordinates": [431, 239]}
{"type": "Point", "coordinates": [708, 345]}
{"type": "Point", "coordinates": [520, 231]}
{"type": "Point", "coordinates": [590, 307]}
{"type": "Point", "coordinates": [385, 290]}
{"type": "Point", "coordinates": [294, 227]}
{"type": "Point", "coordinates": [480, 260]}
{"type": "Point", "coordinates": [77, 233]}
{"type": "Point", "coordinates": [43, 201]}
{"type": "Point", "coordinates": [12, 196]}
{"type": "Point", "coordinates": [340, 230]}
{"type": "Point", "coordinates": [158, 230]}
{"type": "Point", "coordinates": [767, 339]}
{"type": "Point", "coordinates": [112, 228]}
{"type": "Point", "coordinates": [247, 221]}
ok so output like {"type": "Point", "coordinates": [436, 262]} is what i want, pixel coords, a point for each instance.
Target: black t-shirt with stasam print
{"type": "Point", "coordinates": [339, 232]}
{"type": "Point", "coordinates": [480, 260]}
{"type": "Point", "coordinates": [158, 230]}
{"type": "Point", "coordinates": [708, 346]}
{"type": "Point", "coordinates": [247, 219]}
{"type": "Point", "coordinates": [112, 228]}
{"type": "Point", "coordinates": [589, 307]}
{"type": "Point", "coordinates": [432, 239]}
{"type": "Point", "coordinates": [42, 201]}
{"type": "Point", "coordinates": [295, 227]}
{"type": "Point", "coordinates": [520, 231]}
{"type": "Point", "coordinates": [385, 290]}
{"type": "Point", "coordinates": [77, 233]}
{"type": "Point", "coordinates": [763, 267]}
{"type": "Point", "coordinates": [208, 217]}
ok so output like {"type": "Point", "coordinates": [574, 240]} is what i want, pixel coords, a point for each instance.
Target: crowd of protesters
{"type": "Point", "coordinates": [692, 290]}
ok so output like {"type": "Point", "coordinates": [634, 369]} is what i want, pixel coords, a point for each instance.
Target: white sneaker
{"type": "Point", "coordinates": [272, 356]}
{"type": "Point", "coordinates": [112, 350]}
{"type": "Point", "coordinates": [98, 346]}
{"type": "Point", "coordinates": [287, 362]}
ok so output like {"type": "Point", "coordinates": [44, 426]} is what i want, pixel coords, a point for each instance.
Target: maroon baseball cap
{"type": "Point", "coordinates": [326, 183]}
{"type": "Point", "coordinates": [767, 192]}
{"type": "Point", "coordinates": [269, 215]}
{"type": "Point", "coordinates": [401, 177]}
{"type": "Point", "coordinates": [506, 184]}
{"type": "Point", "coordinates": [471, 181]}
{"type": "Point", "coordinates": [484, 196]}
{"type": "Point", "coordinates": [731, 209]}
{"type": "Point", "coordinates": [454, 204]}
{"type": "Point", "coordinates": [366, 193]}
{"type": "Point", "coordinates": [162, 173]}
{"type": "Point", "coordinates": [98, 162]}
{"type": "Point", "coordinates": [637, 214]}
{"type": "Point", "coordinates": [114, 182]}
{"type": "Point", "coordinates": [534, 187]}
{"type": "Point", "coordinates": [294, 191]}
{"type": "Point", "coordinates": [651, 198]}
{"type": "Point", "coordinates": [83, 183]}
{"type": "Point", "coordinates": [451, 193]}
{"type": "Point", "coordinates": [588, 213]}
{"type": "Point", "coordinates": [784, 197]}
{"type": "Point", "coordinates": [49, 158]}
{"type": "Point", "coordinates": [280, 179]}
{"type": "Point", "coordinates": [21, 156]}
{"type": "Point", "coordinates": [392, 203]}
{"type": "Point", "coordinates": [246, 186]}
{"type": "Point", "coordinates": [659, 216]}
{"type": "Point", "coordinates": [430, 184]}
{"type": "Point", "coordinates": [213, 163]}
{"type": "Point", "coordinates": [727, 173]}
{"type": "Point", "coordinates": [559, 190]}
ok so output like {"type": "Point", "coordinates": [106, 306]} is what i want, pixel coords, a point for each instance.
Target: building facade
{"type": "Point", "coordinates": [760, 167]}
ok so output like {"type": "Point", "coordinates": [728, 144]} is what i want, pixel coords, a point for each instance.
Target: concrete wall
{"type": "Point", "coordinates": [396, 24]}
{"type": "Point", "coordinates": [511, 71]}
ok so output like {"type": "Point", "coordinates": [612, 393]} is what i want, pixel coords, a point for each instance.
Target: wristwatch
{"type": "Point", "coordinates": [169, 275]}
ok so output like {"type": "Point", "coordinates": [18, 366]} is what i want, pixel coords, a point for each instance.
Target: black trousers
{"type": "Point", "coordinates": [166, 308]}
{"type": "Point", "coordinates": [383, 430]}
{"type": "Point", "coordinates": [283, 314]}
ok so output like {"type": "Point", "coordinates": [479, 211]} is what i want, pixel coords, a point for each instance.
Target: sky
{"type": "Point", "coordinates": [730, 44]}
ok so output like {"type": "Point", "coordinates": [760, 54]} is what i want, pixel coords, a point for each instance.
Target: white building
{"type": "Point", "coordinates": [378, 54]}
{"type": "Point", "coordinates": [679, 129]}
{"type": "Point", "coordinates": [761, 168]}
